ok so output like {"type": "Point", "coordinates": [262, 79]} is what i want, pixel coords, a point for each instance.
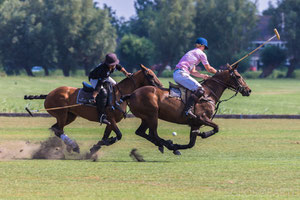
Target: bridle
{"type": "Point", "coordinates": [236, 88]}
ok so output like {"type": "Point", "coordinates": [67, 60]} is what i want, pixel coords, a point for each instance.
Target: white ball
{"type": "Point", "coordinates": [174, 133]}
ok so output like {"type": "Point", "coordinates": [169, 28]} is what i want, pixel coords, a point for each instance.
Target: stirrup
{"type": "Point", "coordinates": [190, 114]}
{"type": "Point", "coordinates": [104, 120]}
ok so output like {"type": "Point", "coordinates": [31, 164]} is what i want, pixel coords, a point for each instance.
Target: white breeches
{"type": "Point", "coordinates": [95, 81]}
{"type": "Point", "coordinates": [183, 78]}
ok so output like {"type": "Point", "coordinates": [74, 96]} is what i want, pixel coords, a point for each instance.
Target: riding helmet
{"type": "Point", "coordinates": [111, 59]}
{"type": "Point", "coordinates": [202, 41]}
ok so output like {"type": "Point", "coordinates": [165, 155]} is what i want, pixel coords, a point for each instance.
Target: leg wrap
{"type": "Point", "coordinates": [68, 141]}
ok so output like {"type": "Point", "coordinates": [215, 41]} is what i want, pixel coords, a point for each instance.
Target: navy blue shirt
{"type": "Point", "coordinates": [102, 72]}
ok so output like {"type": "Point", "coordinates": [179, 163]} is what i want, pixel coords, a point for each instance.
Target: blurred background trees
{"type": "Point", "coordinates": [227, 25]}
{"type": "Point", "coordinates": [53, 34]}
{"type": "Point", "coordinates": [287, 14]}
{"type": "Point", "coordinates": [272, 57]}
{"type": "Point", "coordinates": [76, 34]}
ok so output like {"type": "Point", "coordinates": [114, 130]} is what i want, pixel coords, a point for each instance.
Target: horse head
{"type": "Point", "coordinates": [149, 77]}
{"type": "Point", "coordinates": [233, 80]}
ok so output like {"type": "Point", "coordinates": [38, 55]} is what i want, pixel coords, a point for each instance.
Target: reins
{"type": "Point", "coordinates": [118, 103]}
{"type": "Point", "coordinates": [227, 86]}
{"type": "Point", "coordinates": [218, 103]}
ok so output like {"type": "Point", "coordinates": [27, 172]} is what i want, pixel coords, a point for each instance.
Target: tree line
{"type": "Point", "coordinates": [76, 34]}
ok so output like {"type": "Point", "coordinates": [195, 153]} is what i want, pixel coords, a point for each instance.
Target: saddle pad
{"type": "Point", "coordinates": [83, 97]}
{"type": "Point", "coordinates": [175, 92]}
{"type": "Point", "coordinates": [180, 92]}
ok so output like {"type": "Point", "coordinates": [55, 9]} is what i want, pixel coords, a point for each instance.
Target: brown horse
{"type": "Point", "coordinates": [65, 96]}
{"type": "Point", "coordinates": [150, 103]}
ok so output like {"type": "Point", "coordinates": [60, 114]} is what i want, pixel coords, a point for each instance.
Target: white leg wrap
{"type": "Point", "coordinates": [68, 141]}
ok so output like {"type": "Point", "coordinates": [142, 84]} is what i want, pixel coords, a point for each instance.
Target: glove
{"type": "Point", "coordinates": [92, 101]}
{"type": "Point", "coordinates": [128, 75]}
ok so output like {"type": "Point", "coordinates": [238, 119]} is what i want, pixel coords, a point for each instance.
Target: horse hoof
{"type": "Point", "coordinates": [94, 149]}
{"type": "Point", "coordinates": [202, 135]}
{"type": "Point", "coordinates": [170, 142]}
{"type": "Point", "coordinates": [76, 149]}
{"type": "Point", "coordinates": [176, 152]}
{"type": "Point", "coordinates": [161, 149]}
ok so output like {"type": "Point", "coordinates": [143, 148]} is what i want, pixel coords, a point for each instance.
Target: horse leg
{"type": "Point", "coordinates": [141, 131]}
{"type": "Point", "coordinates": [208, 122]}
{"type": "Point", "coordinates": [105, 139]}
{"type": "Point", "coordinates": [153, 137]}
{"type": "Point", "coordinates": [63, 118]}
{"type": "Point", "coordinates": [193, 136]}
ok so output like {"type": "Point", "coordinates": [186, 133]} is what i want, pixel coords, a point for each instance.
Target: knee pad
{"type": "Point", "coordinates": [102, 97]}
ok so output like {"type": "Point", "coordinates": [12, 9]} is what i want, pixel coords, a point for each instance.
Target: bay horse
{"type": "Point", "coordinates": [150, 103]}
{"type": "Point", "coordinates": [65, 96]}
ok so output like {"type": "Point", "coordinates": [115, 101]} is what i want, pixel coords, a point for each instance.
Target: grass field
{"type": "Point", "coordinates": [269, 96]}
{"type": "Point", "coordinates": [247, 159]}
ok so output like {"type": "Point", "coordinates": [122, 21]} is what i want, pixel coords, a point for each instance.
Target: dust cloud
{"type": "Point", "coordinates": [52, 148]}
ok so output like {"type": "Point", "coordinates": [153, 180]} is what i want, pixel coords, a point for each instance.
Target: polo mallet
{"type": "Point", "coordinates": [276, 35]}
{"type": "Point", "coordinates": [30, 112]}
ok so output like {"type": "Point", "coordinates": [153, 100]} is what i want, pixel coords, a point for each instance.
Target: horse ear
{"type": "Point", "coordinates": [143, 67]}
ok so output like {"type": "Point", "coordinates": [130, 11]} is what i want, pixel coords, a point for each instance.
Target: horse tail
{"type": "Point", "coordinates": [31, 97]}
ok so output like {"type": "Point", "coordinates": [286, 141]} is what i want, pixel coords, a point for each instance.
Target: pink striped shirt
{"type": "Point", "coordinates": [191, 59]}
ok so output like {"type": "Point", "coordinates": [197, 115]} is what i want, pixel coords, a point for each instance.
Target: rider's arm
{"type": "Point", "coordinates": [195, 73]}
{"type": "Point", "coordinates": [210, 68]}
{"type": "Point", "coordinates": [123, 70]}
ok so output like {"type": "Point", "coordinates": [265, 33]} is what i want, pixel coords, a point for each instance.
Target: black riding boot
{"type": "Point", "coordinates": [189, 106]}
{"type": "Point", "coordinates": [101, 100]}
{"type": "Point", "coordinates": [191, 102]}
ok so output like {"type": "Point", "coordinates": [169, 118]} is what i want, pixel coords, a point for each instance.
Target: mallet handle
{"type": "Point", "coordinates": [63, 107]}
{"type": "Point", "coordinates": [253, 51]}
{"type": "Point", "coordinates": [276, 35]}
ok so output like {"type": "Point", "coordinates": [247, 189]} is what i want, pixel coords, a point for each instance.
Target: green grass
{"type": "Point", "coordinates": [269, 96]}
{"type": "Point", "coordinates": [247, 159]}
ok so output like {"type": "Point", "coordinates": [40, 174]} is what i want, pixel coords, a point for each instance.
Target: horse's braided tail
{"type": "Point", "coordinates": [31, 97]}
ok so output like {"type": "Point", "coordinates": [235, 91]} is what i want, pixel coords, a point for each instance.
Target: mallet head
{"type": "Point", "coordinates": [277, 34]}
{"type": "Point", "coordinates": [29, 112]}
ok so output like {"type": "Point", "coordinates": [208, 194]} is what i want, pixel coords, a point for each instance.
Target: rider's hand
{"type": "Point", "coordinates": [205, 76]}
{"type": "Point", "coordinates": [92, 101]}
{"type": "Point", "coordinates": [128, 75]}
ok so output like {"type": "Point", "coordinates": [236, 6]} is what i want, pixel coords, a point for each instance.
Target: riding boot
{"type": "Point", "coordinates": [189, 106]}
{"type": "Point", "coordinates": [110, 95]}
{"type": "Point", "coordinates": [191, 102]}
{"type": "Point", "coordinates": [104, 120]}
{"type": "Point", "coordinates": [101, 100]}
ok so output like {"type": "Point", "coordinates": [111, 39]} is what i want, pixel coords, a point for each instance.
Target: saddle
{"type": "Point", "coordinates": [86, 93]}
{"type": "Point", "coordinates": [179, 92]}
